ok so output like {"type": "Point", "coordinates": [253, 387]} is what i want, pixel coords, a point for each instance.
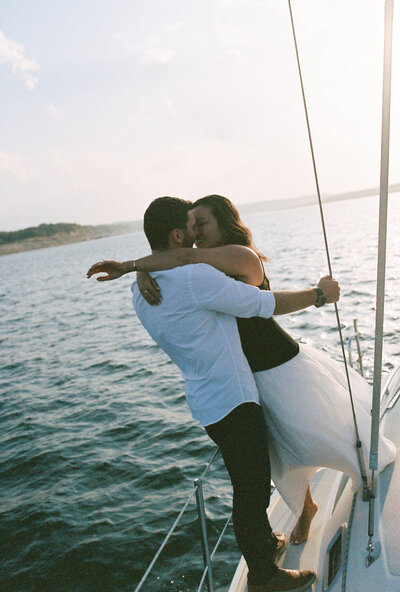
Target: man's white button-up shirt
{"type": "Point", "coordinates": [195, 325]}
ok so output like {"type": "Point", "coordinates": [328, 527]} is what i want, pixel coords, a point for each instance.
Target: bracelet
{"type": "Point", "coordinates": [321, 299]}
{"type": "Point", "coordinates": [132, 265]}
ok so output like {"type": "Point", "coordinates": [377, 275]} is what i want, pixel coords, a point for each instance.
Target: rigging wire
{"type": "Point", "coordinates": [360, 455]}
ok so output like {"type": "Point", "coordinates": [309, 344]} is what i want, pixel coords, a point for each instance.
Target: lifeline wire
{"type": "Point", "coordinates": [358, 442]}
{"type": "Point", "coordinates": [156, 556]}
{"type": "Point", "coordinates": [171, 530]}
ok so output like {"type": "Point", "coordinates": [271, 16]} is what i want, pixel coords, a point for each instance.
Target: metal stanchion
{"type": "Point", "coordinates": [358, 348]}
{"type": "Point", "coordinates": [203, 529]}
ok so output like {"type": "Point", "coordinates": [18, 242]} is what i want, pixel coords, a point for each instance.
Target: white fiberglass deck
{"type": "Point", "coordinates": [332, 524]}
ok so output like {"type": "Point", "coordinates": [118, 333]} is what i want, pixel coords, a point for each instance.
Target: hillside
{"type": "Point", "coordinates": [51, 235]}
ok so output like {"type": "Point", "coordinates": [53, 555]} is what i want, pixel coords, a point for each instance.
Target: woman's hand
{"type": "Point", "coordinates": [149, 288]}
{"type": "Point", "coordinates": [113, 269]}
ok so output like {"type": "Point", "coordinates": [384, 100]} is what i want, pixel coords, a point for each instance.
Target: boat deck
{"type": "Point", "coordinates": [337, 545]}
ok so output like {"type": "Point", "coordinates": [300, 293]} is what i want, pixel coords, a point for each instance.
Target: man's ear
{"type": "Point", "coordinates": [177, 236]}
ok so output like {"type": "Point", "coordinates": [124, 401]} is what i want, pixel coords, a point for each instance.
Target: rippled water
{"type": "Point", "coordinates": [98, 451]}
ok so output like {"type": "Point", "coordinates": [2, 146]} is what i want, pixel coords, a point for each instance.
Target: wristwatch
{"type": "Point", "coordinates": [321, 300]}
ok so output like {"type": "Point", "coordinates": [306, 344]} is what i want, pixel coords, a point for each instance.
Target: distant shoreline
{"type": "Point", "coordinates": [308, 200]}
{"type": "Point", "coordinates": [85, 233]}
{"type": "Point", "coordinates": [76, 235]}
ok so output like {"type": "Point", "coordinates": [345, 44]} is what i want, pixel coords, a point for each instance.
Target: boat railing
{"type": "Point", "coordinates": [356, 337]}
{"type": "Point", "coordinates": [197, 492]}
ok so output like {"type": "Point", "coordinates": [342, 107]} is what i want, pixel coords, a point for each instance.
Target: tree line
{"type": "Point", "coordinates": [43, 230]}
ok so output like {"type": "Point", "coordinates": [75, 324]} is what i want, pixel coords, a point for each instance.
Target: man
{"type": "Point", "coordinates": [196, 326]}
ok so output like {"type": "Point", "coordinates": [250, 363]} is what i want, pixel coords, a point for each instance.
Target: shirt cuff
{"type": "Point", "coordinates": [267, 304]}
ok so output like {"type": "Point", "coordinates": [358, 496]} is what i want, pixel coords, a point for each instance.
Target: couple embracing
{"type": "Point", "coordinates": [266, 401]}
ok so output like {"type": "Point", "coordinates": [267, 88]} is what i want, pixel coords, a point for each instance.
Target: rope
{"type": "Point", "coordinates": [360, 455]}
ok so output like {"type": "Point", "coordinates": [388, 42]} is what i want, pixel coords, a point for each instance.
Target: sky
{"type": "Point", "coordinates": [108, 104]}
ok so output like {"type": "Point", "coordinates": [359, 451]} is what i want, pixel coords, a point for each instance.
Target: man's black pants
{"type": "Point", "coordinates": [242, 437]}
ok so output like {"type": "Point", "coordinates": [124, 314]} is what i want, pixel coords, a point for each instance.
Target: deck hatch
{"type": "Point", "coordinates": [335, 556]}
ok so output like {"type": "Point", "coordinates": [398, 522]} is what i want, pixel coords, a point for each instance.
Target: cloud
{"type": "Point", "coordinates": [64, 166]}
{"type": "Point", "coordinates": [54, 112]}
{"type": "Point", "coordinates": [13, 52]}
{"type": "Point", "coordinates": [237, 24]}
{"type": "Point", "coordinates": [173, 27]}
{"type": "Point", "coordinates": [11, 164]}
{"type": "Point", "coordinates": [153, 53]}
{"type": "Point", "coordinates": [171, 108]}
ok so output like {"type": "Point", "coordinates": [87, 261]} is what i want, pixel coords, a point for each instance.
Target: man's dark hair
{"type": "Point", "coordinates": [163, 215]}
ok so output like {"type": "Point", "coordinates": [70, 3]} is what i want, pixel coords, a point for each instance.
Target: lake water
{"type": "Point", "coordinates": [98, 450]}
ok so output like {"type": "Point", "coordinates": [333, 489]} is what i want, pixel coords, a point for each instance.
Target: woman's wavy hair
{"type": "Point", "coordinates": [228, 218]}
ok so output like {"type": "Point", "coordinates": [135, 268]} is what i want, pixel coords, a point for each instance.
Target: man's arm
{"type": "Point", "coordinates": [213, 290]}
{"type": "Point", "coordinates": [286, 302]}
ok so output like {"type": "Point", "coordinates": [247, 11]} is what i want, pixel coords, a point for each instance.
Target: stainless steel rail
{"type": "Point", "coordinates": [356, 336]}
{"type": "Point", "coordinates": [207, 556]}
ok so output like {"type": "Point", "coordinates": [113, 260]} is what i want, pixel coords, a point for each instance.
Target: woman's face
{"type": "Point", "coordinates": [207, 233]}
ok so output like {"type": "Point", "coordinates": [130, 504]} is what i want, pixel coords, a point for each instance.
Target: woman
{"type": "Point", "coordinates": [304, 394]}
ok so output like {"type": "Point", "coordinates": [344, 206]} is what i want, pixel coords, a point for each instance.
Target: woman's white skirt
{"type": "Point", "coordinates": [307, 409]}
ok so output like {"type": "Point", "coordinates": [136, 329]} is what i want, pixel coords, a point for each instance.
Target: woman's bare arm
{"type": "Point", "coordinates": [234, 260]}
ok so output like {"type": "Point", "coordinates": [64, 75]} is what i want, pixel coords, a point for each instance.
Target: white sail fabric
{"type": "Point", "coordinates": [308, 414]}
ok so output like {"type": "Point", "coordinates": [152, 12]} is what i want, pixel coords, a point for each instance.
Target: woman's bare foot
{"type": "Point", "coordinates": [301, 529]}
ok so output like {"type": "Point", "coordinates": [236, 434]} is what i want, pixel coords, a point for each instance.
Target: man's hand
{"type": "Point", "coordinates": [286, 302]}
{"type": "Point", "coordinates": [113, 269]}
{"type": "Point", "coordinates": [330, 289]}
{"type": "Point", "coordinates": [149, 288]}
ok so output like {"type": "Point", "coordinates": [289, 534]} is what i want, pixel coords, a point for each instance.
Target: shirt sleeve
{"type": "Point", "coordinates": [213, 290]}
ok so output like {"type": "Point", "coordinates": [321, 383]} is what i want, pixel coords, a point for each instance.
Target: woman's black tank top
{"type": "Point", "coordinates": [265, 344]}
